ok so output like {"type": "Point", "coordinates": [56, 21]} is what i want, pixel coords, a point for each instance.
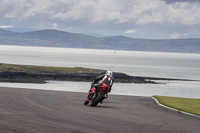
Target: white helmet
{"type": "Point", "coordinates": [109, 73]}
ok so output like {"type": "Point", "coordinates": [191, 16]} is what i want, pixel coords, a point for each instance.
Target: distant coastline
{"type": "Point", "coordinates": [40, 74]}
{"type": "Point", "coordinates": [55, 38]}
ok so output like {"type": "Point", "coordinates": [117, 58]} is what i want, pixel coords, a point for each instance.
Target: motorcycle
{"type": "Point", "coordinates": [96, 96]}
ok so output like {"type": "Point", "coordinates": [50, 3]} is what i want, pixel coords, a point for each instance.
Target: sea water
{"type": "Point", "coordinates": [135, 63]}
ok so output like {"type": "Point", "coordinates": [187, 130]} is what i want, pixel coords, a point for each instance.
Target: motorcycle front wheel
{"type": "Point", "coordinates": [86, 102]}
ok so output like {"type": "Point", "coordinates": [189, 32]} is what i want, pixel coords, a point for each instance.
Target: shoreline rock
{"type": "Point", "coordinates": [42, 77]}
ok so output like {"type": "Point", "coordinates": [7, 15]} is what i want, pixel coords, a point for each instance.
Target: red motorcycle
{"type": "Point", "coordinates": [96, 96]}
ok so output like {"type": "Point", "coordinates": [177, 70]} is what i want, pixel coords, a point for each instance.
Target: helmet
{"type": "Point", "coordinates": [109, 73]}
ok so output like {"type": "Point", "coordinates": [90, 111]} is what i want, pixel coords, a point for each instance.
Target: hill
{"type": "Point", "coordinates": [55, 38]}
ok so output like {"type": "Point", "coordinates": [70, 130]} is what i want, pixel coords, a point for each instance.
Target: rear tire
{"type": "Point", "coordinates": [97, 99]}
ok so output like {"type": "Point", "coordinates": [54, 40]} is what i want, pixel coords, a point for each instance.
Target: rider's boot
{"type": "Point", "coordinates": [106, 96]}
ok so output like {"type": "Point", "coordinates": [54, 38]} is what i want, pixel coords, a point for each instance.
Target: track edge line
{"type": "Point", "coordinates": [174, 109]}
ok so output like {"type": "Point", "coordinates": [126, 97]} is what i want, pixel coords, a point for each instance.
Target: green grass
{"type": "Point", "coordinates": [189, 105]}
{"type": "Point", "coordinates": [29, 68]}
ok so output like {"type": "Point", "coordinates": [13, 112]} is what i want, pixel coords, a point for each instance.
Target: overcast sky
{"type": "Point", "coordinates": [154, 19]}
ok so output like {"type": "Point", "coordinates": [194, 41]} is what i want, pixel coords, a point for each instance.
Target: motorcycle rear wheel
{"type": "Point", "coordinates": [97, 99]}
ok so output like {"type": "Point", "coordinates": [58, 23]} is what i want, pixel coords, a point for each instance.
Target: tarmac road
{"type": "Point", "coordinates": [42, 111]}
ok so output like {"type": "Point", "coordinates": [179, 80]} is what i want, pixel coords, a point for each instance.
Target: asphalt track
{"type": "Point", "coordinates": [41, 111]}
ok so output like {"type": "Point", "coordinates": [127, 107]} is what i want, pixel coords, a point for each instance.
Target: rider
{"type": "Point", "coordinates": [102, 80]}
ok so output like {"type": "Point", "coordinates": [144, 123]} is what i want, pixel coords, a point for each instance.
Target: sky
{"type": "Point", "coordinates": [152, 19]}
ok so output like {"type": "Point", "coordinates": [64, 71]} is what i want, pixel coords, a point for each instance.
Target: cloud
{"type": "Point", "coordinates": [174, 1]}
{"type": "Point", "coordinates": [55, 26]}
{"type": "Point", "coordinates": [175, 35]}
{"type": "Point", "coordinates": [113, 16]}
{"type": "Point", "coordinates": [24, 9]}
{"type": "Point", "coordinates": [183, 34]}
{"type": "Point", "coordinates": [5, 26]}
{"type": "Point", "coordinates": [138, 11]}
{"type": "Point", "coordinates": [130, 32]}
{"type": "Point", "coordinates": [93, 10]}
{"type": "Point", "coordinates": [151, 11]}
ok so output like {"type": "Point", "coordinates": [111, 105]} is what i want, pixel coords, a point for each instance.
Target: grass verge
{"type": "Point", "coordinates": [189, 105]}
{"type": "Point", "coordinates": [28, 68]}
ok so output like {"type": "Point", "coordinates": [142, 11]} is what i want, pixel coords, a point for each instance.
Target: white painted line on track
{"type": "Point", "coordinates": [174, 109]}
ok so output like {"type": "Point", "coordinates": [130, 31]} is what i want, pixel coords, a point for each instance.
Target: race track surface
{"type": "Point", "coordinates": [41, 111]}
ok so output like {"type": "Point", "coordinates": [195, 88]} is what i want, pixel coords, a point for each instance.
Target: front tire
{"type": "Point", "coordinates": [96, 100]}
{"type": "Point", "coordinates": [86, 102]}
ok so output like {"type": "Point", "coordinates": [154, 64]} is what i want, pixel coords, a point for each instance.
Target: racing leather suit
{"type": "Point", "coordinates": [103, 79]}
